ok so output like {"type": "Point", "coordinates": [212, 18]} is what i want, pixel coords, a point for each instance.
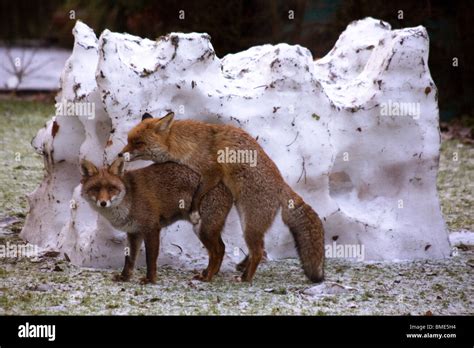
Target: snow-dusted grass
{"type": "Point", "coordinates": [456, 184]}
{"type": "Point", "coordinates": [50, 285]}
{"type": "Point", "coordinates": [21, 168]}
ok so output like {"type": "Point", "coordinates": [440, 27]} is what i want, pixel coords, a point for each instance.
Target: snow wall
{"type": "Point", "coordinates": [355, 133]}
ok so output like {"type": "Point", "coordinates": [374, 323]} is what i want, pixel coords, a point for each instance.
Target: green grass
{"type": "Point", "coordinates": [278, 289]}
{"type": "Point", "coordinates": [456, 184]}
{"type": "Point", "coordinates": [22, 168]}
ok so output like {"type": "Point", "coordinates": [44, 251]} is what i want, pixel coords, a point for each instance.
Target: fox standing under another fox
{"type": "Point", "coordinates": [258, 190]}
{"type": "Point", "coordinates": [141, 202]}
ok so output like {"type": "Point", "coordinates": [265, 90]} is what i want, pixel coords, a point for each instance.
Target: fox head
{"type": "Point", "coordinates": [103, 187]}
{"type": "Point", "coordinates": [149, 139]}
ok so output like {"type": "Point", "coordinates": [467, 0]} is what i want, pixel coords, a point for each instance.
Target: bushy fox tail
{"type": "Point", "coordinates": [307, 230]}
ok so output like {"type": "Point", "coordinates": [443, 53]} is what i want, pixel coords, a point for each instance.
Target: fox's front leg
{"type": "Point", "coordinates": [134, 242]}
{"type": "Point", "coordinates": [208, 182]}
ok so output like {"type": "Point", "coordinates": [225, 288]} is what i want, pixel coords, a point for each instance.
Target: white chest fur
{"type": "Point", "coordinates": [119, 217]}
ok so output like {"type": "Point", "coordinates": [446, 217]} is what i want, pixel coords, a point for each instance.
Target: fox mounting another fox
{"type": "Point", "coordinates": [141, 202]}
{"type": "Point", "coordinates": [259, 190]}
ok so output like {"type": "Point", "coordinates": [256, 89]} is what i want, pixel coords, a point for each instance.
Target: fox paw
{"type": "Point", "coordinates": [242, 279]}
{"type": "Point", "coordinates": [238, 279]}
{"type": "Point", "coordinates": [146, 280]}
{"type": "Point", "coordinates": [120, 278]}
{"type": "Point", "coordinates": [195, 217]}
{"type": "Point", "coordinates": [201, 277]}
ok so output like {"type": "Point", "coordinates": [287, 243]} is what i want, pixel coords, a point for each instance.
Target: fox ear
{"type": "Point", "coordinates": [116, 168]}
{"type": "Point", "coordinates": [164, 123]}
{"type": "Point", "coordinates": [88, 168]}
{"type": "Point", "coordinates": [145, 116]}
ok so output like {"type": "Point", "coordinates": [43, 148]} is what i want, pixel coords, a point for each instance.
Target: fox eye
{"type": "Point", "coordinates": [138, 143]}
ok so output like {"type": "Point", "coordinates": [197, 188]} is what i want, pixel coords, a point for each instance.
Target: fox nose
{"type": "Point", "coordinates": [103, 203]}
{"type": "Point", "coordinates": [120, 154]}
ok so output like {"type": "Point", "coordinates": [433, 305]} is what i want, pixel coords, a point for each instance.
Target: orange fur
{"type": "Point", "coordinates": [259, 191]}
{"type": "Point", "coordinates": [151, 198]}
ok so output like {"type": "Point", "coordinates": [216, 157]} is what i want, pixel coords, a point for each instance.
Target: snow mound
{"type": "Point", "coordinates": [355, 133]}
{"type": "Point", "coordinates": [462, 237]}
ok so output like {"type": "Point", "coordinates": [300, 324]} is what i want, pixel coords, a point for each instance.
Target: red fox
{"type": "Point", "coordinates": [255, 182]}
{"type": "Point", "coordinates": [141, 202]}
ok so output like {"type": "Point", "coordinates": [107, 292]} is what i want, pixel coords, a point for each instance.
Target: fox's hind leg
{"type": "Point", "coordinates": [216, 250]}
{"type": "Point", "coordinates": [134, 242]}
{"type": "Point", "coordinates": [209, 181]}
{"type": "Point", "coordinates": [254, 240]}
{"type": "Point", "coordinates": [210, 235]}
{"type": "Point", "coordinates": [255, 223]}
{"type": "Point", "coordinates": [215, 208]}
{"type": "Point", "coordinates": [152, 248]}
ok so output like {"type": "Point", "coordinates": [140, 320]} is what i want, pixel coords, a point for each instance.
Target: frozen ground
{"type": "Point", "coordinates": [50, 285]}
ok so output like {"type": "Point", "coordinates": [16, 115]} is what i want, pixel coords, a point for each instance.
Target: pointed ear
{"type": "Point", "coordinates": [116, 168]}
{"type": "Point", "coordinates": [164, 123]}
{"type": "Point", "coordinates": [145, 116]}
{"type": "Point", "coordinates": [88, 168]}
